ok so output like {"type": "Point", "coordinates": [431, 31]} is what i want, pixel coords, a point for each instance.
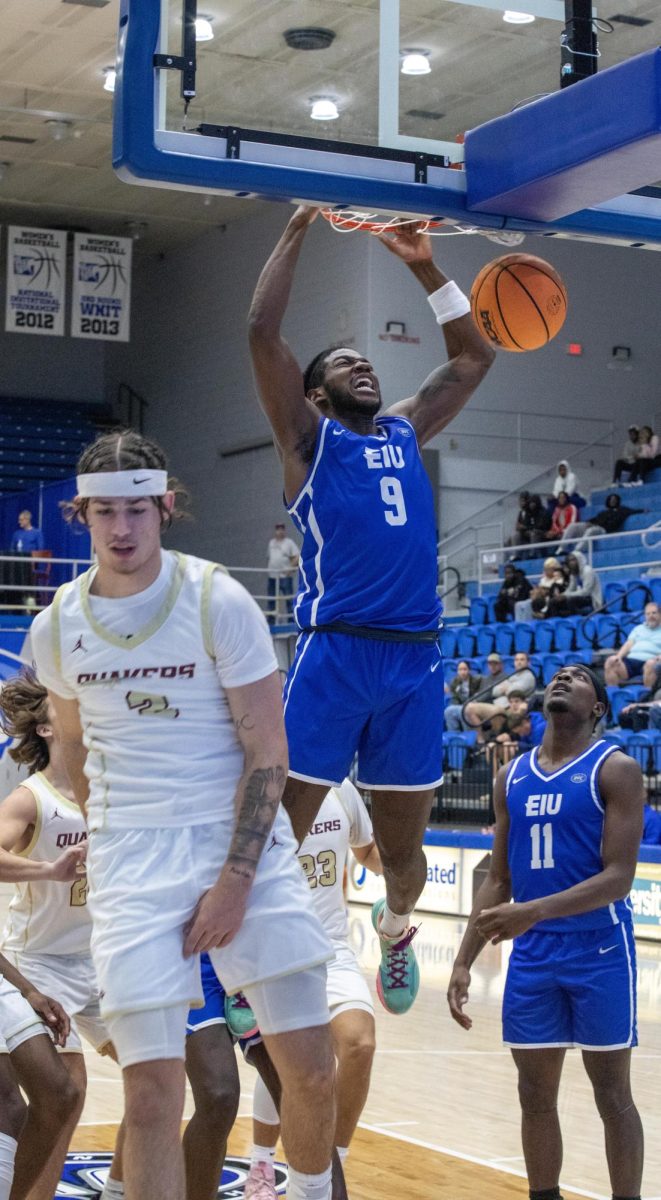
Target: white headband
{"type": "Point", "coordinates": [140, 482]}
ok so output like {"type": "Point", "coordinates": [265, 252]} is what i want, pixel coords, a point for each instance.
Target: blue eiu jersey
{"type": "Point", "coordinates": [366, 513]}
{"type": "Point", "coordinates": [555, 834]}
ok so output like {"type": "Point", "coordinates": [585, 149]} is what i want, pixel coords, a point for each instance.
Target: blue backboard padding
{"type": "Point", "coordinates": [578, 147]}
{"type": "Point", "coordinates": [140, 158]}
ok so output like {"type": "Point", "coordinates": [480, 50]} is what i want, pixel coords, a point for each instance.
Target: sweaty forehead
{"type": "Point", "coordinates": [343, 352]}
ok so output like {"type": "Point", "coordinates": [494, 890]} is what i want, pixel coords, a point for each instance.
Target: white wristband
{"type": "Point", "coordinates": [449, 303]}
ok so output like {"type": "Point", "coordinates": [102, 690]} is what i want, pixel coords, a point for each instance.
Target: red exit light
{"type": "Point", "coordinates": [575, 349]}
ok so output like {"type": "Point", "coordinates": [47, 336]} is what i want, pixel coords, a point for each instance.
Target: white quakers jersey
{"type": "Point", "coordinates": [342, 821]}
{"type": "Point", "coordinates": [46, 917]}
{"type": "Point", "coordinates": [149, 677]}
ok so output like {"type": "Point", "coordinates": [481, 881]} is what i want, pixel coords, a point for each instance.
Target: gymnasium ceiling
{"type": "Point", "coordinates": [53, 54]}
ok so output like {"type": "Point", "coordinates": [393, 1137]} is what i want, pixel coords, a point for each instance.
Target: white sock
{"type": "Point", "coordinates": [309, 1187]}
{"type": "Point", "coordinates": [342, 1152]}
{"type": "Point", "coordinates": [7, 1155]}
{"type": "Point", "coordinates": [113, 1190]}
{"type": "Point", "coordinates": [262, 1154]}
{"type": "Point", "coordinates": [393, 924]}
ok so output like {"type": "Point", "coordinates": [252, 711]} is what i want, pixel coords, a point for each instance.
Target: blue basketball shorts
{"type": "Point", "coordinates": [383, 701]}
{"type": "Point", "coordinates": [572, 989]}
{"type": "Point", "coordinates": [213, 1010]}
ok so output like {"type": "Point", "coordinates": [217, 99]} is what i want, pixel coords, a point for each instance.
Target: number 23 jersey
{"type": "Point", "coordinates": [342, 821]}
{"type": "Point", "coordinates": [556, 832]}
{"type": "Point", "coordinates": [366, 513]}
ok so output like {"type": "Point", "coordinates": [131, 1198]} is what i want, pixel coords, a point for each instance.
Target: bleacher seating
{"type": "Point", "coordinates": [40, 441]}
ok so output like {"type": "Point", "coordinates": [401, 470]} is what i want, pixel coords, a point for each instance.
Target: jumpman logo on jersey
{"type": "Point", "coordinates": [79, 646]}
{"type": "Point", "coordinates": [57, 816]}
{"type": "Point", "coordinates": [274, 842]}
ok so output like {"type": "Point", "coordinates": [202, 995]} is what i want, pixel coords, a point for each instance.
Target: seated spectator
{"type": "Point", "coordinates": [609, 520]}
{"type": "Point", "coordinates": [640, 654]}
{"type": "Point", "coordinates": [629, 454]}
{"type": "Point", "coordinates": [583, 591]}
{"type": "Point", "coordinates": [651, 826]}
{"type": "Point", "coordinates": [551, 577]}
{"type": "Point", "coordinates": [527, 730]}
{"type": "Point", "coordinates": [647, 457]}
{"type": "Point", "coordinates": [536, 522]}
{"type": "Point", "coordinates": [26, 538]}
{"type": "Point", "coordinates": [479, 713]}
{"type": "Point", "coordinates": [565, 480]}
{"type": "Point", "coordinates": [564, 514]}
{"type": "Point", "coordinates": [464, 685]}
{"type": "Point", "coordinates": [519, 528]}
{"type": "Point", "coordinates": [515, 587]}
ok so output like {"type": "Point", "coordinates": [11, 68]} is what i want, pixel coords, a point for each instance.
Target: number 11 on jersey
{"type": "Point", "coordinates": [545, 840]}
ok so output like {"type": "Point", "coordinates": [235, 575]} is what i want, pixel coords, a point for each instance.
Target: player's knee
{"type": "Point", "coordinates": [218, 1104]}
{"type": "Point", "coordinates": [612, 1099]}
{"type": "Point", "coordinates": [357, 1049]}
{"type": "Point", "coordinates": [148, 1104]}
{"type": "Point", "coordinates": [534, 1096]}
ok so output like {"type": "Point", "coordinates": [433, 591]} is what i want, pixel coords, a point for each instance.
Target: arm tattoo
{"type": "Point", "coordinates": [261, 797]}
{"type": "Point", "coordinates": [244, 722]}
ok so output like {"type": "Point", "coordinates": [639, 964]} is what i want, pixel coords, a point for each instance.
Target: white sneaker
{"type": "Point", "coordinates": [260, 1184]}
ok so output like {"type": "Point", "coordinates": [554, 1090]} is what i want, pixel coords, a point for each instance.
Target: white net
{"type": "Point", "coordinates": [350, 220]}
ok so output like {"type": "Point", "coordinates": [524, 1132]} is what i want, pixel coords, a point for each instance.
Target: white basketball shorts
{"type": "Point", "coordinates": [18, 1020]}
{"type": "Point", "coordinates": [346, 986]}
{"type": "Point", "coordinates": [71, 979]}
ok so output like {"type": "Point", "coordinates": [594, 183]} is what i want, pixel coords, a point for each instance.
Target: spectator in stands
{"type": "Point", "coordinates": [527, 730]}
{"type": "Point", "coordinates": [550, 581]}
{"type": "Point", "coordinates": [640, 654]}
{"type": "Point", "coordinates": [536, 521]}
{"type": "Point", "coordinates": [565, 480]}
{"type": "Point", "coordinates": [647, 457]}
{"type": "Point", "coordinates": [564, 514]}
{"type": "Point", "coordinates": [520, 527]}
{"type": "Point", "coordinates": [515, 587]}
{"type": "Point", "coordinates": [26, 538]}
{"type": "Point", "coordinates": [282, 562]}
{"type": "Point", "coordinates": [464, 685]}
{"type": "Point", "coordinates": [480, 712]}
{"type": "Point", "coordinates": [609, 520]}
{"type": "Point", "coordinates": [629, 454]}
{"type": "Point", "coordinates": [583, 591]}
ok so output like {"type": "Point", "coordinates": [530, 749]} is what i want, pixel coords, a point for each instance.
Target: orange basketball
{"type": "Point", "coordinates": [518, 302]}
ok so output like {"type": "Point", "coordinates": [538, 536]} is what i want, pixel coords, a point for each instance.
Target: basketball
{"type": "Point", "coordinates": [518, 302]}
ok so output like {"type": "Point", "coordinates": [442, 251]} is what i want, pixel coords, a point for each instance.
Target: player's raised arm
{"type": "Point", "coordinates": [445, 392]}
{"type": "Point", "coordinates": [496, 889]}
{"type": "Point", "coordinates": [279, 378]}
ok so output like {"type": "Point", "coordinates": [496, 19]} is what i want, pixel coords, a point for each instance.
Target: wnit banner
{"type": "Point", "coordinates": [101, 299]}
{"type": "Point", "coordinates": [36, 272]}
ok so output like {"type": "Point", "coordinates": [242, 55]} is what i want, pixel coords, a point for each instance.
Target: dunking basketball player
{"type": "Point", "coordinates": [569, 819]}
{"type": "Point", "coordinates": [173, 739]}
{"type": "Point", "coordinates": [42, 851]}
{"type": "Point", "coordinates": [368, 609]}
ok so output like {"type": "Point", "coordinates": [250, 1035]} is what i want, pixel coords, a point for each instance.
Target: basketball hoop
{"type": "Point", "coordinates": [349, 220]}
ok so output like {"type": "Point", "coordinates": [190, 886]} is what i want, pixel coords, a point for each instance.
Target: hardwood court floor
{"type": "Point", "coordinates": [442, 1118]}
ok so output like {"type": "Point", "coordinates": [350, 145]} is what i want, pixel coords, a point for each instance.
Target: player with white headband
{"type": "Point", "coordinates": [162, 673]}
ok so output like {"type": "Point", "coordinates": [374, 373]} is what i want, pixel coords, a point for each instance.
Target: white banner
{"type": "Point", "coordinates": [36, 273]}
{"type": "Point", "coordinates": [101, 300]}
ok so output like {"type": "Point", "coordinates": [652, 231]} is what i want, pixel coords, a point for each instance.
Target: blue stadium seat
{"type": "Point", "coordinates": [619, 697]}
{"type": "Point", "coordinates": [600, 631]}
{"type": "Point", "coordinates": [565, 633]}
{"type": "Point", "coordinates": [456, 747]}
{"type": "Point", "coordinates": [550, 664]}
{"type": "Point", "coordinates": [640, 746]}
{"type": "Point", "coordinates": [638, 597]}
{"type": "Point", "coordinates": [479, 610]}
{"type": "Point", "coordinates": [545, 636]}
{"type": "Point", "coordinates": [486, 639]}
{"type": "Point", "coordinates": [626, 622]}
{"type": "Point", "coordinates": [524, 635]}
{"type": "Point", "coordinates": [505, 638]}
{"type": "Point", "coordinates": [536, 665]}
{"type": "Point", "coordinates": [448, 641]}
{"type": "Point", "coordinates": [655, 588]}
{"type": "Point", "coordinates": [613, 595]}
{"type": "Point", "coordinates": [449, 668]}
{"type": "Point", "coordinates": [466, 639]}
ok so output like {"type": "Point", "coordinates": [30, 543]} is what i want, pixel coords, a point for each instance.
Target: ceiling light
{"type": "Point", "coordinates": [110, 79]}
{"type": "Point", "coordinates": [323, 108]}
{"type": "Point", "coordinates": [517, 18]}
{"type": "Point", "coordinates": [203, 30]}
{"type": "Point", "coordinates": [60, 130]}
{"type": "Point", "coordinates": [415, 62]}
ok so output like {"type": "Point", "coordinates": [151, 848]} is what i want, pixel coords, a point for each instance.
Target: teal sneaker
{"type": "Point", "coordinates": [240, 1017]}
{"type": "Point", "coordinates": [398, 976]}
